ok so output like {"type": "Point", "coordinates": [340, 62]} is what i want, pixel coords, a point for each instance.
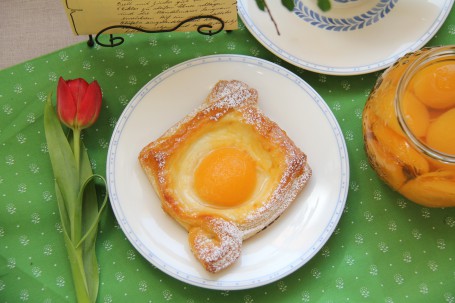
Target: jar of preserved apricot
{"type": "Point", "coordinates": [409, 126]}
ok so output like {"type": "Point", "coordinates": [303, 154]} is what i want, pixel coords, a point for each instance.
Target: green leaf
{"type": "Point", "coordinates": [78, 272]}
{"type": "Point", "coordinates": [260, 4]}
{"type": "Point", "coordinates": [62, 160]}
{"type": "Point", "coordinates": [66, 225]}
{"type": "Point", "coordinates": [91, 225]}
{"type": "Point", "coordinates": [289, 4]}
{"type": "Point", "coordinates": [91, 219]}
{"type": "Point", "coordinates": [89, 215]}
{"type": "Point", "coordinates": [90, 198]}
{"type": "Point", "coordinates": [324, 5]}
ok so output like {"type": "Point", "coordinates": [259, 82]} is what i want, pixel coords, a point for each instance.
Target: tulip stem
{"type": "Point", "coordinates": [77, 146]}
{"type": "Point", "coordinates": [75, 251]}
{"type": "Point", "coordinates": [76, 220]}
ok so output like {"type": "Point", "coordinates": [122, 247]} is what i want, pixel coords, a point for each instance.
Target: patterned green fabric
{"type": "Point", "coordinates": [384, 249]}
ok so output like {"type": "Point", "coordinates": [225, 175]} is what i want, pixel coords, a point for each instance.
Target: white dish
{"type": "Point", "coordinates": [289, 242]}
{"type": "Point", "coordinates": [366, 36]}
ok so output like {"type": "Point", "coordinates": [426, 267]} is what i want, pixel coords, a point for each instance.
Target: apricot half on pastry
{"type": "Point", "coordinates": [225, 172]}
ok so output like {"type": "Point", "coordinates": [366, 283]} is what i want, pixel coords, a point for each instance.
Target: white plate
{"type": "Point", "coordinates": [350, 40]}
{"type": "Point", "coordinates": [285, 245]}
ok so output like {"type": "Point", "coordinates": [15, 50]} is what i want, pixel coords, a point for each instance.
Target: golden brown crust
{"type": "Point", "coordinates": [229, 114]}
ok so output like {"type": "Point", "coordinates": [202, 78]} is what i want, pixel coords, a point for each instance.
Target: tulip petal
{"type": "Point", "coordinates": [90, 105]}
{"type": "Point", "coordinates": [78, 87]}
{"type": "Point", "coordinates": [66, 105]}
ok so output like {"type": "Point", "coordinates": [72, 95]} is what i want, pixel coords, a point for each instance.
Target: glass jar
{"type": "Point", "coordinates": [409, 126]}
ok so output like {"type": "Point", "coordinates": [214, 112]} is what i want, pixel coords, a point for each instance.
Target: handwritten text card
{"type": "Point", "coordinates": [92, 16]}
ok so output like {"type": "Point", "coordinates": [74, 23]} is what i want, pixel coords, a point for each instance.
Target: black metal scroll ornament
{"type": "Point", "coordinates": [204, 29]}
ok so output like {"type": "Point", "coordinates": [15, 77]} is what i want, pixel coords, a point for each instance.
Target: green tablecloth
{"type": "Point", "coordinates": [384, 249]}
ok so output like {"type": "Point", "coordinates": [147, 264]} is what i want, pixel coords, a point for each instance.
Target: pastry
{"type": "Point", "coordinates": [225, 172]}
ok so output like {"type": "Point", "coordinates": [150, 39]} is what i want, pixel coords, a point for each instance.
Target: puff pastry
{"type": "Point", "coordinates": [225, 172]}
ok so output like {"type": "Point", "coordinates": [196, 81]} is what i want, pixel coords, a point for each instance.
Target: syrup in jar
{"type": "Point", "coordinates": [409, 126]}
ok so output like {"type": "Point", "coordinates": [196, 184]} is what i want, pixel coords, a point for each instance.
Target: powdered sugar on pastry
{"type": "Point", "coordinates": [215, 242]}
{"type": "Point", "coordinates": [229, 119]}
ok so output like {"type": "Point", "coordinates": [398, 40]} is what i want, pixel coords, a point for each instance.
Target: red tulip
{"type": "Point", "coordinates": [78, 107]}
{"type": "Point", "coordinates": [78, 103]}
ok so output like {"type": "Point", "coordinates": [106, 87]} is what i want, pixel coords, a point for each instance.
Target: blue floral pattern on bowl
{"type": "Point", "coordinates": [345, 1]}
{"type": "Point", "coordinates": [373, 15]}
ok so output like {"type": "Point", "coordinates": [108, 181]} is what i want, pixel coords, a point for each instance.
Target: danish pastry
{"type": "Point", "coordinates": [225, 172]}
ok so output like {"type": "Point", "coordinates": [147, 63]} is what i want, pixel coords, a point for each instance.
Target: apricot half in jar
{"type": "Point", "coordinates": [384, 109]}
{"type": "Point", "coordinates": [415, 114]}
{"type": "Point", "coordinates": [388, 167]}
{"type": "Point", "coordinates": [434, 189]}
{"type": "Point", "coordinates": [399, 148]}
{"type": "Point", "coordinates": [434, 85]}
{"type": "Point", "coordinates": [441, 133]}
